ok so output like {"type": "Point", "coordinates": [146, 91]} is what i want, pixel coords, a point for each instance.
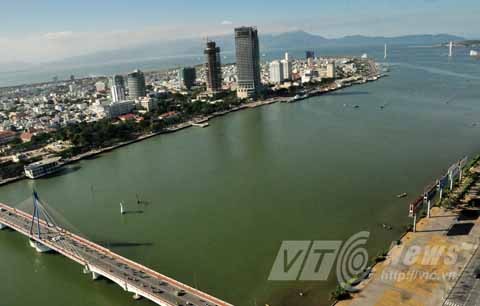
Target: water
{"type": "Point", "coordinates": [223, 198]}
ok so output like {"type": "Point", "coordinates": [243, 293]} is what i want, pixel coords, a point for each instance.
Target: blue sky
{"type": "Point", "coordinates": [63, 27]}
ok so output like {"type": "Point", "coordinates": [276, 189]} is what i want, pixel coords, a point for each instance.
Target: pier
{"type": "Point", "coordinates": [142, 282]}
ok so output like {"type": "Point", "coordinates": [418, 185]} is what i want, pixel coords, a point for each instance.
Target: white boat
{"type": "Point", "coordinates": [42, 168]}
{"type": "Point", "coordinates": [298, 98]}
{"type": "Point", "coordinates": [295, 99]}
{"type": "Point", "coordinates": [474, 53]}
{"type": "Point", "coordinates": [39, 247]}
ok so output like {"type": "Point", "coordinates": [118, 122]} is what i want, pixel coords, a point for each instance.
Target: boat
{"type": "Point", "coordinates": [43, 168]}
{"type": "Point", "coordinates": [295, 99]}
{"type": "Point", "coordinates": [474, 53]}
{"type": "Point", "coordinates": [402, 195]}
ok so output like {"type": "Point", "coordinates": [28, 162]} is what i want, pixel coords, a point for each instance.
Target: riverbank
{"type": "Point", "coordinates": [429, 276]}
{"type": "Point", "coordinates": [198, 122]}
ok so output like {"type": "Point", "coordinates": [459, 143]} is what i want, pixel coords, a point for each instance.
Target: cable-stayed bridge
{"type": "Point", "coordinates": [46, 236]}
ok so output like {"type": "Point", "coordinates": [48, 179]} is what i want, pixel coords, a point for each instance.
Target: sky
{"type": "Point", "coordinates": [36, 31]}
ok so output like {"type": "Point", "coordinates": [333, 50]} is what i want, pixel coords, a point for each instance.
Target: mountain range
{"type": "Point", "coordinates": [283, 41]}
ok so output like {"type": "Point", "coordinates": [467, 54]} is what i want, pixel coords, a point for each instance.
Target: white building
{"type": "Point", "coordinates": [100, 86]}
{"type": "Point", "coordinates": [276, 72]}
{"type": "Point", "coordinates": [118, 93]}
{"type": "Point", "coordinates": [331, 70]}
{"type": "Point", "coordinates": [287, 68]}
{"type": "Point", "coordinates": [119, 108]}
{"type": "Point", "coordinates": [148, 104]}
{"type": "Point", "coordinates": [112, 110]}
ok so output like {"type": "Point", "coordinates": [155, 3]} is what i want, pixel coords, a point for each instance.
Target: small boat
{"type": "Point", "coordinates": [402, 195]}
{"type": "Point", "coordinates": [356, 106]}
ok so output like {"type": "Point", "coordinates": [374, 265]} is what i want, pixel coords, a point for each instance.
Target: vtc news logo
{"type": "Point", "coordinates": [314, 260]}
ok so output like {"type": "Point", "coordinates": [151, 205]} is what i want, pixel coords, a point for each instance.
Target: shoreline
{"type": "Point", "coordinates": [318, 91]}
{"type": "Point", "coordinates": [438, 210]}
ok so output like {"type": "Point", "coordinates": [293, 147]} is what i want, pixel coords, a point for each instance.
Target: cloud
{"type": "Point", "coordinates": [58, 35]}
{"type": "Point", "coordinates": [226, 22]}
{"type": "Point", "coordinates": [51, 46]}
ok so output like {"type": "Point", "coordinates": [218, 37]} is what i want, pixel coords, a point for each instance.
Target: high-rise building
{"type": "Point", "coordinates": [118, 88]}
{"type": "Point", "coordinates": [136, 85]}
{"type": "Point", "coordinates": [331, 70]}
{"type": "Point", "coordinates": [276, 72]}
{"type": "Point", "coordinates": [309, 54]}
{"type": "Point", "coordinates": [248, 62]}
{"type": "Point", "coordinates": [287, 67]}
{"type": "Point", "coordinates": [187, 77]}
{"type": "Point", "coordinates": [213, 67]}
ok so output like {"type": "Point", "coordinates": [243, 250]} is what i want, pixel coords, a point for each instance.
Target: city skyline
{"type": "Point", "coordinates": [70, 29]}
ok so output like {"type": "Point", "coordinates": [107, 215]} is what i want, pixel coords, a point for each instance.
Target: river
{"type": "Point", "coordinates": [223, 198]}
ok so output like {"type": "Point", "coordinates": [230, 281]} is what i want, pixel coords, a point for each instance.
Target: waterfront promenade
{"type": "Point", "coordinates": [101, 262]}
{"type": "Point", "coordinates": [434, 276]}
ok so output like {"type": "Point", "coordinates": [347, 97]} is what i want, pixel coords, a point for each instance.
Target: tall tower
{"type": "Point", "coordinates": [213, 67]}
{"type": "Point", "coordinates": [136, 85]}
{"type": "Point", "coordinates": [248, 62]}
{"type": "Point", "coordinates": [287, 69]}
{"type": "Point", "coordinates": [450, 49]}
{"type": "Point", "coordinates": [386, 50]}
{"type": "Point", "coordinates": [276, 72]}
{"type": "Point", "coordinates": [118, 88]}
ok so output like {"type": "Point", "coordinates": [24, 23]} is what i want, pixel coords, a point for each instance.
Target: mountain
{"type": "Point", "coordinates": [400, 40]}
{"type": "Point", "coordinates": [288, 40]}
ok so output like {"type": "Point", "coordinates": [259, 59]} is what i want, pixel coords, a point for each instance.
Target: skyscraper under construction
{"type": "Point", "coordinates": [213, 67]}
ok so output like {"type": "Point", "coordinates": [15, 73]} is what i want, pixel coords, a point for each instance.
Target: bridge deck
{"type": "Point", "coordinates": [129, 275]}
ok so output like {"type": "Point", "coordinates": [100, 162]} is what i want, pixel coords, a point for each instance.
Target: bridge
{"type": "Point", "coordinates": [45, 236]}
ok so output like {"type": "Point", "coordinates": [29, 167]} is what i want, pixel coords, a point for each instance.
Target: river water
{"type": "Point", "coordinates": [222, 199]}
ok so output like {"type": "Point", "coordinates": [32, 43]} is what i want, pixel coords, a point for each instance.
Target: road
{"type": "Point", "coordinates": [98, 260]}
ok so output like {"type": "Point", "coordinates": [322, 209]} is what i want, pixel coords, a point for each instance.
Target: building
{"type": "Point", "coordinates": [276, 72]}
{"type": "Point", "coordinates": [136, 85]}
{"type": "Point", "coordinates": [149, 104]}
{"type": "Point", "coordinates": [309, 54]}
{"type": "Point", "coordinates": [118, 89]}
{"type": "Point", "coordinates": [7, 136]}
{"type": "Point", "coordinates": [213, 67]}
{"type": "Point", "coordinates": [248, 62]}
{"type": "Point", "coordinates": [112, 110]}
{"type": "Point", "coordinates": [287, 69]}
{"type": "Point", "coordinates": [331, 70]}
{"type": "Point", "coordinates": [187, 77]}
{"type": "Point", "coordinates": [100, 86]}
